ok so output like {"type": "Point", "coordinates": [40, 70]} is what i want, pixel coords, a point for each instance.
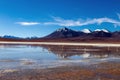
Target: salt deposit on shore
{"type": "Point", "coordinates": [65, 43]}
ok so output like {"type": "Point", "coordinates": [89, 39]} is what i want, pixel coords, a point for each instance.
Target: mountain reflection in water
{"type": "Point", "coordinates": [36, 56]}
{"type": "Point", "coordinates": [83, 52]}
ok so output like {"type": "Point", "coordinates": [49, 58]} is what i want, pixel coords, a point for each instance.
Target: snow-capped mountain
{"type": "Point", "coordinates": [101, 33]}
{"type": "Point", "coordinates": [81, 35]}
{"type": "Point", "coordinates": [86, 31]}
{"type": "Point", "coordinates": [63, 33]}
{"type": "Point", "coordinates": [68, 33]}
{"type": "Point", "coordinates": [63, 29]}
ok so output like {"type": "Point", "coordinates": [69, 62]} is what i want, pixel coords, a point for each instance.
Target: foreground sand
{"type": "Point", "coordinates": [103, 71]}
{"type": "Point", "coordinates": [64, 43]}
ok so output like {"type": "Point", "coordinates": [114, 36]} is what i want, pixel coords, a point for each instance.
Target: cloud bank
{"type": "Point", "coordinates": [67, 23]}
{"type": "Point", "coordinates": [27, 23]}
{"type": "Point", "coordinates": [63, 22]}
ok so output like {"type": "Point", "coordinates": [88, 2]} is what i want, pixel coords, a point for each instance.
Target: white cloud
{"type": "Point", "coordinates": [27, 23]}
{"type": "Point", "coordinates": [80, 22]}
{"type": "Point", "coordinates": [62, 22]}
{"type": "Point", "coordinates": [100, 21]}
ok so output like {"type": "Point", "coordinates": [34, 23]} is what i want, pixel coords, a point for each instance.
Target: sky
{"type": "Point", "coordinates": [29, 18]}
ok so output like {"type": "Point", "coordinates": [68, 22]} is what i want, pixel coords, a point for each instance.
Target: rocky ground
{"type": "Point", "coordinates": [102, 71]}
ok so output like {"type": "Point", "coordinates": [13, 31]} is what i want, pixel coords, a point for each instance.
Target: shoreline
{"type": "Point", "coordinates": [102, 71]}
{"type": "Point", "coordinates": [62, 43]}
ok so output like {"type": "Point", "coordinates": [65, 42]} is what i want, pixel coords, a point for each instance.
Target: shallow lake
{"type": "Point", "coordinates": [33, 56]}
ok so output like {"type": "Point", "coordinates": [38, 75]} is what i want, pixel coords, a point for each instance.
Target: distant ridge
{"type": "Point", "coordinates": [63, 33]}
{"type": "Point", "coordinates": [68, 33]}
{"type": "Point", "coordinates": [10, 37]}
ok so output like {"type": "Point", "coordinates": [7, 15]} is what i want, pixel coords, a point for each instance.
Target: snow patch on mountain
{"type": "Point", "coordinates": [62, 29]}
{"type": "Point", "coordinates": [86, 31]}
{"type": "Point", "coordinates": [104, 30]}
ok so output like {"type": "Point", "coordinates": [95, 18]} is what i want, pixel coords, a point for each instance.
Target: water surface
{"type": "Point", "coordinates": [30, 57]}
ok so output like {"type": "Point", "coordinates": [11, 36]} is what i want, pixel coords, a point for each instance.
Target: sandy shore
{"type": "Point", "coordinates": [63, 43]}
{"type": "Point", "coordinates": [103, 71]}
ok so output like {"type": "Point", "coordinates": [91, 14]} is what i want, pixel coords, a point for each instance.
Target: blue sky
{"type": "Point", "coordinates": [26, 18]}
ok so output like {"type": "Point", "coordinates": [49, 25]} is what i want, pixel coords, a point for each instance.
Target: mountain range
{"type": "Point", "coordinates": [66, 34]}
